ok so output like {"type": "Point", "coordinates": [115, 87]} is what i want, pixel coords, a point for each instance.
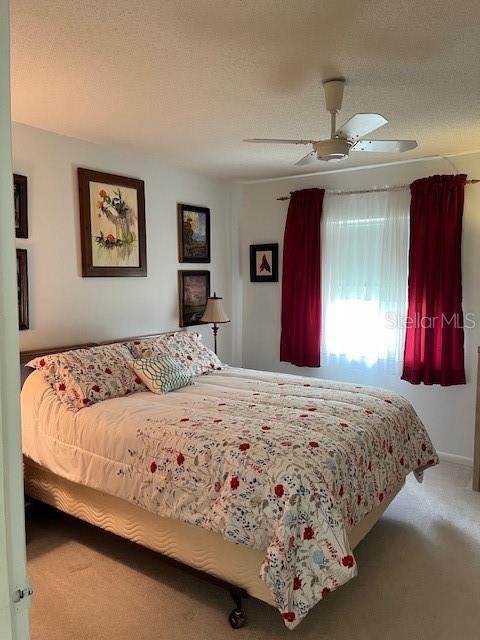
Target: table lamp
{"type": "Point", "coordinates": [215, 314]}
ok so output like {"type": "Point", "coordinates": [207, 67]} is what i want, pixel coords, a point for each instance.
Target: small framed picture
{"type": "Point", "coordinates": [22, 289]}
{"type": "Point", "coordinates": [193, 233]}
{"type": "Point", "coordinates": [193, 293]}
{"type": "Point", "coordinates": [112, 225]}
{"type": "Point", "coordinates": [20, 200]}
{"type": "Point", "coordinates": [264, 262]}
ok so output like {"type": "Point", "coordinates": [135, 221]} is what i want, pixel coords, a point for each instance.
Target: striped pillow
{"type": "Point", "coordinates": [162, 373]}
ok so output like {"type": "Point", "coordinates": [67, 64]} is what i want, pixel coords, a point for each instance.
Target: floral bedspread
{"type": "Point", "coordinates": [281, 463]}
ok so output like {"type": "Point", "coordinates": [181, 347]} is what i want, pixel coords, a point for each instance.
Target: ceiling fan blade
{"type": "Point", "coordinates": [310, 157]}
{"type": "Point", "coordinates": [279, 141]}
{"type": "Point", "coordinates": [360, 124]}
{"type": "Point", "coordinates": [385, 146]}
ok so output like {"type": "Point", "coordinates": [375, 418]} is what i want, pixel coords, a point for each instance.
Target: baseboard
{"type": "Point", "coordinates": [452, 457]}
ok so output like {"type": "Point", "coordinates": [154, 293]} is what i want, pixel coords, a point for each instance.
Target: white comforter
{"type": "Point", "coordinates": [281, 463]}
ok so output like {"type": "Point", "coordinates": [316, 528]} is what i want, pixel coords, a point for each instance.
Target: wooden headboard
{"type": "Point", "coordinates": [26, 356]}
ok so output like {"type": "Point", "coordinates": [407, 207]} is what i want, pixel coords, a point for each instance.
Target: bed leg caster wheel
{"type": "Point", "coordinates": [237, 619]}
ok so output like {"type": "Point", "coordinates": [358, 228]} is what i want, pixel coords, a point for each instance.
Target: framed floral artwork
{"type": "Point", "coordinates": [193, 233]}
{"type": "Point", "coordinates": [264, 262]}
{"type": "Point", "coordinates": [22, 289]}
{"type": "Point", "coordinates": [112, 225]}
{"type": "Point", "coordinates": [193, 293]}
{"type": "Point", "coordinates": [20, 201]}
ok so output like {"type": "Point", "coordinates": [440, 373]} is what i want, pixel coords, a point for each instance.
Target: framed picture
{"type": "Point", "coordinates": [264, 262]}
{"type": "Point", "coordinates": [112, 225]}
{"type": "Point", "coordinates": [193, 233]}
{"type": "Point", "coordinates": [193, 292]}
{"type": "Point", "coordinates": [22, 289]}
{"type": "Point", "coordinates": [20, 200]}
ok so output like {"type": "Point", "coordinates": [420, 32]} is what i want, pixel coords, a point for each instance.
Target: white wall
{"type": "Point", "coordinates": [447, 412]}
{"type": "Point", "coordinates": [66, 308]}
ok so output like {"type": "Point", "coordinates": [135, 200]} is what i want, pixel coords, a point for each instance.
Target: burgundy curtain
{"type": "Point", "coordinates": [434, 336]}
{"type": "Point", "coordinates": [301, 284]}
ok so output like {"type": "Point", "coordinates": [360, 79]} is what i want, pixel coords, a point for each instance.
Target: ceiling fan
{"type": "Point", "coordinates": [348, 137]}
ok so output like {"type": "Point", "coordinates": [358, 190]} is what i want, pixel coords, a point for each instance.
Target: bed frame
{"type": "Point", "coordinates": [234, 567]}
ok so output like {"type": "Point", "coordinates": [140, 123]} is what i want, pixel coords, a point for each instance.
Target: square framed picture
{"type": "Point", "coordinates": [22, 289]}
{"type": "Point", "coordinates": [193, 233]}
{"type": "Point", "coordinates": [20, 200]}
{"type": "Point", "coordinates": [193, 293]}
{"type": "Point", "coordinates": [112, 225]}
{"type": "Point", "coordinates": [264, 262]}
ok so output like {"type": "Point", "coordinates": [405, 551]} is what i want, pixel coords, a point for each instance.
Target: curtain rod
{"type": "Point", "coordinates": [349, 193]}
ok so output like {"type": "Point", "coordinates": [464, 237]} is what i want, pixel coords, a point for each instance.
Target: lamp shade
{"type": "Point", "coordinates": [214, 311]}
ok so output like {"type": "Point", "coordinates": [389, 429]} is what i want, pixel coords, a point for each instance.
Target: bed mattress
{"type": "Point", "coordinates": [199, 548]}
{"type": "Point", "coordinates": [284, 465]}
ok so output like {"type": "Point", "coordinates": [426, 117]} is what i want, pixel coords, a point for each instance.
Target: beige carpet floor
{"type": "Point", "coordinates": [419, 579]}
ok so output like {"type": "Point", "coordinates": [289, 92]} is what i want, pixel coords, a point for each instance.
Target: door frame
{"type": "Point", "coordinates": [13, 582]}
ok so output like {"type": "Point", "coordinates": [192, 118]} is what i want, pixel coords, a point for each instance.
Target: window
{"type": "Point", "coordinates": [364, 279]}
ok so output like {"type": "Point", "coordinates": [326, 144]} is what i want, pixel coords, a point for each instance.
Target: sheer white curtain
{"type": "Point", "coordinates": [364, 277]}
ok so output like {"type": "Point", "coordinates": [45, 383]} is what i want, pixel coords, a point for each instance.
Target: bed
{"type": "Point", "coordinates": [264, 481]}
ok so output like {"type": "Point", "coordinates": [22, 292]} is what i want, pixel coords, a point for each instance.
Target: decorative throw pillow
{"type": "Point", "coordinates": [162, 373]}
{"type": "Point", "coordinates": [148, 347]}
{"type": "Point", "coordinates": [83, 377]}
{"type": "Point", "coordinates": [185, 346]}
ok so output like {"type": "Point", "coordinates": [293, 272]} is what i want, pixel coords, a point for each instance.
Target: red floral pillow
{"type": "Point", "coordinates": [185, 346]}
{"type": "Point", "coordinates": [148, 347]}
{"type": "Point", "coordinates": [83, 377]}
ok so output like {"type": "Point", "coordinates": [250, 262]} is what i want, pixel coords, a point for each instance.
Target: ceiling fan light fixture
{"type": "Point", "coordinates": [332, 150]}
{"type": "Point", "coordinates": [332, 157]}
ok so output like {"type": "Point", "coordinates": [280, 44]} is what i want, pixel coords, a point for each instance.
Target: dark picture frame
{"type": "Point", "coordinates": [192, 285]}
{"type": "Point", "coordinates": [193, 233]}
{"type": "Point", "coordinates": [122, 212]}
{"type": "Point", "coordinates": [22, 289]}
{"type": "Point", "coordinates": [20, 201]}
{"type": "Point", "coordinates": [264, 262]}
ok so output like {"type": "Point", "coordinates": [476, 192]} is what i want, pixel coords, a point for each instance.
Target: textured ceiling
{"type": "Point", "coordinates": [187, 80]}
